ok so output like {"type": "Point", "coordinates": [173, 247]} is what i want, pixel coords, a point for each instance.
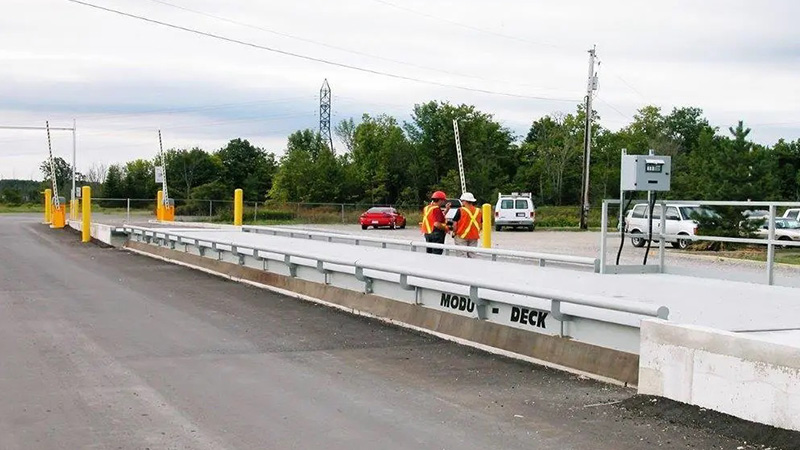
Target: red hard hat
{"type": "Point", "coordinates": [439, 195]}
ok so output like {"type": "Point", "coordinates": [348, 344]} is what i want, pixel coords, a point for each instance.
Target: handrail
{"type": "Point", "coordinates": [555, 296]}
{"type": "Point", "coordinates": [567, 259]}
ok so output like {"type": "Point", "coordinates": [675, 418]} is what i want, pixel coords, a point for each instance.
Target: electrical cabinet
{"type": "Point", "coordinates": [645, 173]}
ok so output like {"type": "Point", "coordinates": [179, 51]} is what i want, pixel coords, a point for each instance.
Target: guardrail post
{"type": "Point", "coordinates": [480, 304]}
{"type": "Point", "coordinates": [86, 209]}
{"type": "Point", "coordinates": [486, 213]}
{"type": "Point", "coordinates": [48, 208]}
{"type": "Point", "coordinates": [238, 199]}
{"type": "Point", "coordinates": [771, 247]}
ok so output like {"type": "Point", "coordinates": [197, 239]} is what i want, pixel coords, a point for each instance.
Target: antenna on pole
{"type": "Point", "coordinates": [460, 159]}
{"type": "Point", "coordinates": [325, 114]}
{"type": "Point", "coordinates": [591, 86]}
{"type": "Point", "coordinates": [56, 201]}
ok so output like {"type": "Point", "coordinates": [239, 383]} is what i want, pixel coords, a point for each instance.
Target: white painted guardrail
{"type": "Point", "coordinates": [327, 264]}
{"type": "Point", "coordinates": [542, 258]}
{"type": "Point", "coordinates": [660, 235]}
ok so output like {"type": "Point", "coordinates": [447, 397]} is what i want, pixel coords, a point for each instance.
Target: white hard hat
{"type": "Point", "coordinates": [468, 197]}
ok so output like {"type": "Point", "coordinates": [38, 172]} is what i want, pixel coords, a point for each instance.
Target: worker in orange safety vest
{"type": "Point", "coordinates": [468, 221]}
{"type": "Point", "coordinates": [434, 224]}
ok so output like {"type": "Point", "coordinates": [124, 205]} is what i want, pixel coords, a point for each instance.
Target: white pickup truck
{"type": "Point", "coordinates": [679, 221]}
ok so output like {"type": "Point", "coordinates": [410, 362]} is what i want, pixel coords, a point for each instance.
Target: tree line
{"type": "Point", "coordinates": [385, 161]}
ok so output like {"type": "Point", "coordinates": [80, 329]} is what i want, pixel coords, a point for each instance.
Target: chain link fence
{"type": "Point", "coordinates": [205, 210]}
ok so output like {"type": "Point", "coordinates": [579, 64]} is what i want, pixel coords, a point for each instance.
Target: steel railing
{"type": "Point", "coordinates": [355, 239]}
{"type": "Point", "coordinates": [659, 232]}
{"type": "Point", "coordinates": [322, 263]}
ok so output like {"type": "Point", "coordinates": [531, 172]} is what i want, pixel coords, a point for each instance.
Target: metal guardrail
{"type": "Point", "coordinates": [542, 258]}
{"type": "Point", "coordinates": [295, 258]}
{"type": "Point", "coordinates": [660, 234]}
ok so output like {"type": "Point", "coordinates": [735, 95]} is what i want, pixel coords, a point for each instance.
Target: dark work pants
{"type": "Point", "coordinates": [437, 237]}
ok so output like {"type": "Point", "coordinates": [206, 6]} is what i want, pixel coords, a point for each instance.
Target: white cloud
{"type": "Point", "coordinates": [58, 60]}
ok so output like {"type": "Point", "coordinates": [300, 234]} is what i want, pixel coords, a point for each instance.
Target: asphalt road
{"type": "Point", "coordinates": [101, 348]}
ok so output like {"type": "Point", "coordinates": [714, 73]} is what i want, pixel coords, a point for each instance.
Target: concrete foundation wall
{"type": "Point", "coordinates": [100, 232]}
{"type": "Point", "coordinates": [742, 376]}
{"type": "Point", "coordinates": [602, 362]}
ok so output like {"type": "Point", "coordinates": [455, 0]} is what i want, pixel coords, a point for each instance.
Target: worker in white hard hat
{"type": "Point", "coordinates": [467, 230]}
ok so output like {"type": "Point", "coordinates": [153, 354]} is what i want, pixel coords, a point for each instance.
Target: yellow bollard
{"type": "Point", "coordinates": [486, 238]}
{"type": "Point", "coordinates": [160, 205]}
{"type": "Point", "coordinates": [86, 208]}
{"type": "Point", "coordinates": [48, 199]}
{"type": "Point", "coordinates": [238, 200]}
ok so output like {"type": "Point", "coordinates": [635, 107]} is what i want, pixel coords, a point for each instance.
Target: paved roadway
{"type": "Point", "coordinates": [101, 348]}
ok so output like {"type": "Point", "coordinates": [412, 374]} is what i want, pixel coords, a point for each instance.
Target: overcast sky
{"type": "Point", "coordinates": [122, 79]}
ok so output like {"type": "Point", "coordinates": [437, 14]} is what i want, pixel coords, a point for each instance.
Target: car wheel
{"type": "Point", "coordinates": [403, 226]}
{"type": "Point", "coordinates": [682, 244]}
{"type": "Point", "coordinates": [784, 238]}
{"type": "Point", "coordinates": [364, 227]}
{"type": "Point", "coordinates": [497, 228]}
{"type": "Point", "coordinates": [530, 228]}
{"type": "Point", "coordinates": [391, 226]}
{"type": "Point", "coordinates": [637, 241]}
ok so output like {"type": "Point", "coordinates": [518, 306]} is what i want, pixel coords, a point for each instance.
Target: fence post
{"type": "Point", "coordinates": [210, 208]}
{"type": "Point", "coordinates": [343, 213]}
{"type": "Point", "coordinates": [128, 212]}
{"type": "Point", "coordinates": [255, 213]}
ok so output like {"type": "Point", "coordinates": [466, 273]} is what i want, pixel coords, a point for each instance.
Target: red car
{"type": "Point", "coordinates": [382, 217]}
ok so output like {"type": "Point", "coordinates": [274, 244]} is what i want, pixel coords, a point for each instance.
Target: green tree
{"type": "Point", "coordinates": [114, 184]}
{"type": "Point", "coordinates": [309, 171]}
{"type": "Point", "coordinates": [11, 196]}
{"type": "Point", "coordinates": [246, 167]}
{"type": "Point", "coordinates": [139, 180]}
{"type": "Point", "coordinates": [63, 175]}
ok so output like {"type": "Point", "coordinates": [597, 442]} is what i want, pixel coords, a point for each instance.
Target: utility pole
{"type": "Point", "coordinates": [325, 114]}
{"type": "Point", "coordinates": [591, 86]}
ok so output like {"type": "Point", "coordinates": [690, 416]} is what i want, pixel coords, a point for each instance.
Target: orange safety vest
{"type": "Point", "coordinates": [427, 219]}
{"type": "Point", "coordinates": [469, 224]}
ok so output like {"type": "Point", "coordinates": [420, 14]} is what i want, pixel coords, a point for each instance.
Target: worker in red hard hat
{"type": "Point", "coordinates": [434, 224]}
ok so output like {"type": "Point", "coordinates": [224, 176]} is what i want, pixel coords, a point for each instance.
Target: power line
{"type": "Point", "coordinates": [323, 44]}
{"type": "Point", "coordinates": [473, 28]}
{"type": "Point", "coordinates": [315, 59]}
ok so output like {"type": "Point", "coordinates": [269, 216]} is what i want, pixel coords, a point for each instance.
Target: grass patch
{"type": "Point", "coordinates": [27, 208]}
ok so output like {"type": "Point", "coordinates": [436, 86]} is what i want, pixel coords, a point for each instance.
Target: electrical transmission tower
{"type": "Point", "coordinates": [325, 114]}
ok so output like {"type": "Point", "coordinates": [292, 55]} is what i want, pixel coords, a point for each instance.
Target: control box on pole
{"type": "Point", "coordinates": [645, 173]}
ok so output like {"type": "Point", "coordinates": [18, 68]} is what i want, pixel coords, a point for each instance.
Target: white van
{"type": "Point", "coordinates": [515, 210]}
{"type": "Point", "coordinates": [679, 221]}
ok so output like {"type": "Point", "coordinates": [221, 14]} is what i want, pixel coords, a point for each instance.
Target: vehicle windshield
{"type": "Point", "coordinates": [789, 224]}
{"type": "Point", "coordinates": [379, 210]}
{"type": "Point", "coordinates": [693, 212]}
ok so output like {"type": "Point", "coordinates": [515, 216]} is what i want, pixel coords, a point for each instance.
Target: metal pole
{"type": "Point", "coordinates": [621, 196]}
{"type": "Point", "coordinates": [771, 247]}
{"type": "Point", "coordinates": [587, 149]}
{"type": "Point", "coordinates": [74, 167]}
{"type": "Point", "coordinates": [603, 231]}
{"type": "Point", "coordinates": [662, 243]}
{"type": "Point", "coordinates": [210, 208]}
{"type": "Point", "coordinates": [342, 213]}
{"type": "Point", "coordinates": [255, 212]}
{"type": "Point", "coordinates": [128, 212]}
